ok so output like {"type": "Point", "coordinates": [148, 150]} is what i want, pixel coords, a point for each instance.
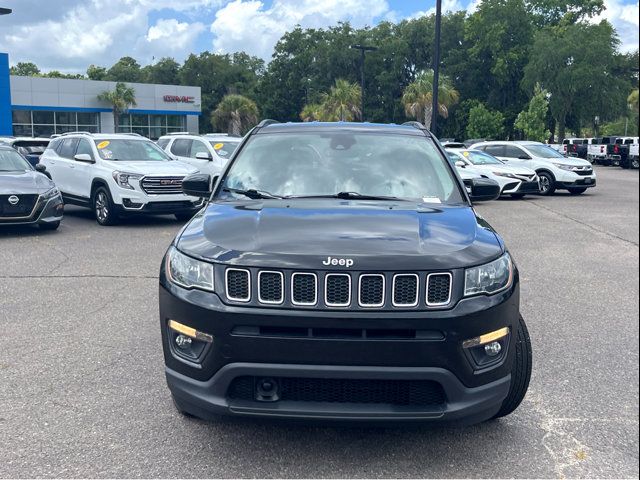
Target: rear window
{"type": "Point", "coordinates": [163, 142]}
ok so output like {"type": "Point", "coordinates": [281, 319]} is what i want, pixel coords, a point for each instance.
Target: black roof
{"type": "Point", "coordinates": [343, 126]}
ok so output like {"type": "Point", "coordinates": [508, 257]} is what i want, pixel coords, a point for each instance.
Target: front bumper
{"type": "Point", "coordinates": [45, 211]}
{"type": "Point", "coordinates": [471, 393]}
{"type": "Point", "coordinates": [165, 206]}
{"type": "Point", "coordinates": [581, 182]}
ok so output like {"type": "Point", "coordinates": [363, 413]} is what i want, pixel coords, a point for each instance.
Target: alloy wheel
{"type": "Point", "coordinates": [102, 206]}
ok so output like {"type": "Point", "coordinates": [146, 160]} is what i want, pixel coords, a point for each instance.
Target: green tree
{"type": "Point", "coordinates": [533, 121]}
{"type": "Point", "coordinates": [163, 72]}
{"type": "Point", "coordinates": [121, 98]}
{"type": "Point", "coordinates": [96, 73]}
{"type": "Point", "coordinates": [418, 97]}
{"type": "Point", "coordinates": [126, 69]}
{"type": "Point", "coordinates": [313, 112]}
{"type": "Point", "coordinates": [485, 123]}
{"type": "Point", "coordinates": [632, 102]}
{"type": "Point", "coordinates": [343, 101]}
{"type": "Point", "coordinates": [574, 64]}
{"type": "Point", "coordinates": [25, 69]}
{"type": "Point", "coordinates": [235, 114]}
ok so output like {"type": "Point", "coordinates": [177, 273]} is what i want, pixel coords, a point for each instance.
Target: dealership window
{"type": "Point", "coordinates": [152, 126]}
{"type": "Point", "coordinates": [44, 123]}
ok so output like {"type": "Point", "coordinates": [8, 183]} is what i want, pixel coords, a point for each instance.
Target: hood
{"type": "Point", "coordinates": [172, 167]}
{"type": "Point", "coordinates": [28, 181]}
{"type": "Point", "coordinates": [573, 161]}
{"type": "Point", "coordinates": [515, 169]}
{"type": "Point", "coordinates": [376, 236]}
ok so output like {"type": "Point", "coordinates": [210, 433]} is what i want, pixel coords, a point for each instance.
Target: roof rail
{"type": "Point", "coordinates": [179, 133]}
{"type": "Point", "coordinates": [212, 134]}
{"type": "Point", "coordinates": [266, 122]}
{"type": "Point", "coordinates": [76, 133]}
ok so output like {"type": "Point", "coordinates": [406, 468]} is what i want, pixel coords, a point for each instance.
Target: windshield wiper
{"type": "Point", "coordinates": [252, 193]}
{"type": "Point", "coordinates": [348, 196]}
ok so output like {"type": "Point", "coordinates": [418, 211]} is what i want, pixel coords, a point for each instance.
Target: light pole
{"type": "Point", "coordinates": [436, 68]}
{"type": "Point", "coordinates": [362, 49]}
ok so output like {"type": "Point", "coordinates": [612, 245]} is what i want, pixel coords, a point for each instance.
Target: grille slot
{"type": "Point", "coordinates": [304, 289]}
{"type": "Point", "coordinates": [238, 284]}
{"type": "Point", "coordinates": [371, 290]}
{"type": "Point", "coordinates": [337, 289]}
{"type": "Point", "coordinates": [344, 390]}
{"type": "Point", "coordinates": [438, 289]}
{"type": "Point", "coordinates": [162, 185]}
{"type": "Point", "coordinates": [270, 287]}
{"type": "Point", "coordinates": [405, 290]}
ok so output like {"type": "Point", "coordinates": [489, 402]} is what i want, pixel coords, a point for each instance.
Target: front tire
{"type": "Point", "coordinates": [547, 184]}
{"type": "Point", "coordinates": [635, 163]}
{"type": "Point", "coordinates": [520, 372]}
{"type": "Point", "coordinates": [103, 207]}
{"type": "Point", "coordinates": [577, 191]}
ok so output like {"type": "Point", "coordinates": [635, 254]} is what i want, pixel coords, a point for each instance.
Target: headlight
{"type": "Point", "coordinates": [122, 179]}
{"type": "Point", "coordinates": [189, 272]}
{"type": "Point", "coordinates": [562, 166]}
{"type": "Point", "coordinates": [53, 192]}
{"type": "Point", "coordinates": [489, 278]}
{"type": "Point", "coordinates": [502, 174]}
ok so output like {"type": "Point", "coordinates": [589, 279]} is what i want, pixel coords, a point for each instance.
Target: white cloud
{"type": "Point", "coordinates": [171, 37]}
{"type": "Point", "coordinates": [625, 20]}
{"type": "Point", "coordinates": [247, 25]}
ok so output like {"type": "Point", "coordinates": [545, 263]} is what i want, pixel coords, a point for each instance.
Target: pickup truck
{"type": "Point", "coordinates": [632, 160]}
{"type": "Point", "coordinates": [575, 147]}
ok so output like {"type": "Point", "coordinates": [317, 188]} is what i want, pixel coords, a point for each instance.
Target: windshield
{"type": "Point", "coordinates": [12, 161]}
{"type": "Point", "coordinates": [329, 163]}
{"type": "Point", "coordinates": [224, 149]}
{"type": "Point", "coordinates": [125, 150]}
{"type": "Point", "coordinates": [543, 151]}
{"type": "Point", "coordinates": [477, 157]}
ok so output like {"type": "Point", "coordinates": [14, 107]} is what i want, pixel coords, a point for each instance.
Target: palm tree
{"type": "Point", "coordinates": [418, 97]}
{"type": "Point", "coordinates": [632, 100]}
{"type": "Point", "coordinates": [235, 114]}
{"type": "Point", "coordinates": [121, 98]}
{"type": "Point", "coordinates": [312, 112]}
{"type": "Point", "coordinates": [343, 101]}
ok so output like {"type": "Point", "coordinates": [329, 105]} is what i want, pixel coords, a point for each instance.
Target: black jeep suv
{"type": "Point", "coordinates": [340, 272]}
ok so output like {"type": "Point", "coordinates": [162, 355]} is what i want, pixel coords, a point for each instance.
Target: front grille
{"type": "Point", "coordinates": [405, 290]}
{"type": "Point", "coordinates": [304, 289]}
{"type": "Point", "coordinates": [337, 290]}
{"type": "Point", "coordinates": [371, 290]}
{"type": "Point", "coordinates": [584, 172]}
{"type": "Point", "coordinates": [529, 187]}
{"type": "Point", "coordinates": [238, 284]}
{"type": "Point", "coordinates": [340, 390]}
{"type": "Point", "coordinates": [23, 208]}
{"type": "Point", "coordinates": [270, 287]}
{"type": "Point", "coordinates": [162, 185]}
{"type": "Point", "coordinates": [438, 289]}
{"type": "Point", "coordinates": [353, 290]}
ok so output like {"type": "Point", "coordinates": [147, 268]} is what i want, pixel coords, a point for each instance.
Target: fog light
{"type": "Point", "coordinates": [492, 349]}
{"type": "Point", "coordinates": [182, 341]}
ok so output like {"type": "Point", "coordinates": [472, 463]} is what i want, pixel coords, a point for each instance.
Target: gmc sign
{"type": "Point", "coordinates": [178, 99]}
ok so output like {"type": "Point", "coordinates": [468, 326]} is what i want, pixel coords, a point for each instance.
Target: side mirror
{"type": "Point", "coordinates": [84, 157]}
{"type": "Point", "coordinates": [40, 168]}
{"type": "Point", "coordinates": [198, 185]}
{"type": "Point", "coordinates": [484, 190]}
{"type": "Point", "coordinates": [460, 164]}
{"type": "Point", "coordinates": [524, 157]}
{"type": "Point", "coordinates": [203, 156]}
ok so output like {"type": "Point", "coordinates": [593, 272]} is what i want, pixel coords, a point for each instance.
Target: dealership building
{"type": "Point", "coordinates": [41, 107]}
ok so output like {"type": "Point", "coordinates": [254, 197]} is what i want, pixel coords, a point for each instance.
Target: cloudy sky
{"type": "Point", "coordinates": [69, 35]}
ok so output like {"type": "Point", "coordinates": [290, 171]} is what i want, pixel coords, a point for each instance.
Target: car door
{"type": "Point", "coordinates": [181, 149]}
{"type": "Point", "coordinates": [61, 171]}
{"type": "Point", "coordinates": [515, 155]}
{"type": "Point", "coordinates": [81, 172]}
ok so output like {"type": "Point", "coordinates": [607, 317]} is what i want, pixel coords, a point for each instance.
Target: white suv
{"type": "Point", "coordinates": [554, 169]}
{"type": "Point", "coordinates": [118, 174]}
{"type": "Point", "coordinates": [208, 153]}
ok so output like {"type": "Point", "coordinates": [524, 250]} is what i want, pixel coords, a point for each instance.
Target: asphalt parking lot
{"type": "Point", "coordinates": [82, 389]}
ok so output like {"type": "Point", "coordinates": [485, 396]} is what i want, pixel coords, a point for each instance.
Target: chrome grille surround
{"type": "Point", "coordinates": [263, 300]}
{"type": "Point", "coordinates": [327, 278]}
{"type": "Point", "coordinates": [315, 289]}
{"type": "Point", "coordinates": [226, 285]}
{"type": "Point", "coordinates": [394, 289]}
{"type": "Point", "coordinates": [382, 296]}
{"type": "Point", "coordinates": [162, 185]}
{"type": "Point", "coordinates": [440, 274]}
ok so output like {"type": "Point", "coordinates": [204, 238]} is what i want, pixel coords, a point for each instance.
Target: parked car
{"type": "Point", "coordinates": [514, 180]}
{"type": "Point", "coordinates": [208, 153]}
{"type": "Point", "coordinates": [452, 144]}
{"type": "Point", "coordinates": [468, 177]}
{"type": "Point", "coordinates": [575, 147]}
{"type": "Point", "coordinates": [630, 159]}
{"type": "Point", "coordinates": [554, 169]}
{"type": "Point", "coordinates": [117, 175]}
{"type": "Point", "coordinates": [324, 281]}
{"type": "Point", "coordinates": [27, 196]}
{"type": "Point", "coordinates": [30, 148]}
{"type": "Point", "coordinates": [608, 151]}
